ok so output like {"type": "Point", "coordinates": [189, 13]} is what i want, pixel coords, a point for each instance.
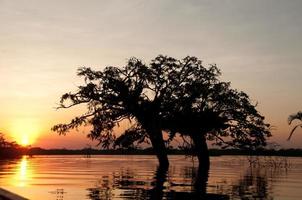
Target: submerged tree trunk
{"type": "Point", "coordinates": [200, 183]}
{"type": "Point", "coordinates": [201, 150]}
{"type": "Point", "coordinates": [158, 183]}
{"type": "Point", "coordinates": [159, 147]}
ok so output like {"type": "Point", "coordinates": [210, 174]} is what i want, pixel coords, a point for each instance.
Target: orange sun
{"type": "Point", "coordinates": [25, 131]}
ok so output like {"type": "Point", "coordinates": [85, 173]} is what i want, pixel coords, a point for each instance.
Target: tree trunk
{"type": "Point", "coordinates": [149, 120]}
{"type": "Point", "coordinates": [201, 150]}
{"type": "Point", "coordinates": [159, 147]}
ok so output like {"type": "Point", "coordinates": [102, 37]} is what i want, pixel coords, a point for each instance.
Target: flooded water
{"type": "Point", "coordinates": [137, 177]}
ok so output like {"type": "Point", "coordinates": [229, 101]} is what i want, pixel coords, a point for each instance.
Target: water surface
{"type": "Point", "coordinates": [137, 177]}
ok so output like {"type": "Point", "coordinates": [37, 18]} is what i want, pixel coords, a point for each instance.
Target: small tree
{"type": "Point", "coordinates": [291, 118]}
{"type": "Point", "coordinates": [5, 144]}
{"type": "Point", "coordinates": [176, 96]}
{"type": "Point", "coordinates": [9, 149]}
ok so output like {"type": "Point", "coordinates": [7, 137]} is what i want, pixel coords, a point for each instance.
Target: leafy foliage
{"type": "Point", "coordinates": [5, 144]}
{"type": "Point", "coordinates": [176, 96]}
{"type": "Point", "coordinates": [199, 103]}
{"type": "Point", "coordinates": [10, 149]}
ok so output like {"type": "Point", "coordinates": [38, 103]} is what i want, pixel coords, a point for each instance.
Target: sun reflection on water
{"type": "Point", "coordinates": [23, 173]}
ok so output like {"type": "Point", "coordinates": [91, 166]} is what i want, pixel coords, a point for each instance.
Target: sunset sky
{"type": "Point", "coordinates": [257, 45]}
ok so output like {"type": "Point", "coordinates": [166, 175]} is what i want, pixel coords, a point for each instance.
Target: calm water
{"type": "Point", "coordinates": [137, 177]}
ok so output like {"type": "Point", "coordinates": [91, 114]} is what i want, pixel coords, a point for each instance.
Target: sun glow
{"type": "Point", "coordinates": [24, 141]}
{"type": "Point", "coordinates": [25, 132]}
{"type": "Point", "coordinates": [24, 173]}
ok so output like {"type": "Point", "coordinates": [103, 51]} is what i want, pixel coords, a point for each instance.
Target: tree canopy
{"type": "Point", "coordinates": [5, 144]}
{"type": "Point", "coordinates": [176, 96]}
{"type": "Point", "coordinates": [10, 149]}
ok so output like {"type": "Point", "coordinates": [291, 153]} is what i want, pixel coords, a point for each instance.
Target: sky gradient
{"type": "Point", "coordinates": [257, 45]}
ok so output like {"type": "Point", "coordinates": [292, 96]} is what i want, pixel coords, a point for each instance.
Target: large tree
{"type": "Point", "coordinates": [117, 94]}
{"type": "Point", "coordinates": [214, 111]}
{"type": "Point", "coordinates": [175, 96]}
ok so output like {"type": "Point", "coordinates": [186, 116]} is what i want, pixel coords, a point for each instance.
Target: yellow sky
{"type": "Point", "coordinates": [257, 44]}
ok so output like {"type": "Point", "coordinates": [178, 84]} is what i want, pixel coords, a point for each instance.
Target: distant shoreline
{"type": "Point", "coordinates": [89, 152]}
{"type": "Point", "coordinates": [213, 152]}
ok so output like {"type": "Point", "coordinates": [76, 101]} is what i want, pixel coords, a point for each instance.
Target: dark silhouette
{"type": "Point", "coordinates": [113, 95]}
{"type": "Point", "coordinates": [131, 188]}
{"type": "Point", "coordinates": [206, 108]}
{"type": "Point", "coordinates": [199, 187]}
{"type": "Point", "coordinates": [291, 118]}
{"type": "Point", "coordinates": [175, 96]}
{"type": "Point", "coordinates": [149, 151]}
{"type": "Point", "coordinates": [10, 149]}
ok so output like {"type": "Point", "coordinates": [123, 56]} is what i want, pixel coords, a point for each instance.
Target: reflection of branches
{"type": "Point", "coordinates": [253, 185]}
{"type": "Point", "coordinates": [129, 187]}
{"type": "Point", "coordinates": [99, 194]}
{"type": "Point", "coordinates": [260, 172]}
{"type": "Point", "coordinates": [269, 162]}
{"type": "Point", "coordinates": [101, 191]}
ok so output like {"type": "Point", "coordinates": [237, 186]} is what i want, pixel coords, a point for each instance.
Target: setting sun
{"type": "Point", "coordinates": [24, 141]}
{"type": "Point", "coordinates": [25, 131]}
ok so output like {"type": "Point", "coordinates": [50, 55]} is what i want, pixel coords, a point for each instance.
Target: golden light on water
{"type": "Point", "coordinates": [23, 173]}
{"type": "Point", "coordinates": [23, 168]}
{"type": "Point", "coordinates": [25, 131]}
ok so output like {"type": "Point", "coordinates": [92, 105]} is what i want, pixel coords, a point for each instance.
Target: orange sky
{"type": "Point", "coordinates": [257, 44]}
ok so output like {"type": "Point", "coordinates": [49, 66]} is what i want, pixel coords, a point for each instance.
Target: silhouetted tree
{"type": "Point", "coordinates": [10, 149]}
{"type": "Point", "coordinates": [205, 108]}
{"type": "Point", "coordinates": [5, 144]}
{"type": "Point", "coordinates": [113, 95]}
{"type": "Point", "coordinates": [176, 96]}
{"type": "Point", "coordinates": [291, 118]}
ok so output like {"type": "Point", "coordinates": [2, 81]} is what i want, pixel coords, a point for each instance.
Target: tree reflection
{"type": "Point", "coordinates": [200, 183]}
{"type": "Point", "coordinates": [102, 191]}
{"type": "Point", "coordinates": [255, 183]}
{"type": "Point", "coordinates": [126, 187]}
{"type": "Point", "coordinates": [159, 179]}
